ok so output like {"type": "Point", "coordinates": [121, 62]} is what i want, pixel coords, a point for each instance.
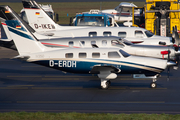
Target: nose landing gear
{"type": "Point", "coordinates": [105, 84]}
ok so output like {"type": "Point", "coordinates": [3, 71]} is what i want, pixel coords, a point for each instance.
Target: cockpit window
{"type": "Point", "coordinates": [90, 21]}
{"type": "Point", "coordinates": [82, 43]}
{"type": "Point", "coordinates": [125, 41]}
{"type": "Point", "coordinates": [138, 34]}
{"type": "Point", "coordinates": [113, 54]}
{"type": "Point", "coordinates": [148, 33]}
{"type": "Point", "coordinates": [116, 43]}
{"type": "Point", "coordinates": [125, 54]}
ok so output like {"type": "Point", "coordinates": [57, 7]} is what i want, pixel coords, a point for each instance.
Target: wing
{"type": "Point", "coordinates": [98, 69]}
{"type": "Point", "coordinates": [105, 72]}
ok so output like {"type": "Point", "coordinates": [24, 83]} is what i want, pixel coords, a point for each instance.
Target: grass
{"type": "Point", "coordinates": [71, 8]}
{"type": "Point", "coordinates": [84, 116]}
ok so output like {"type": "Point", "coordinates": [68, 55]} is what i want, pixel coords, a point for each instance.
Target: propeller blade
{"type": "Point", "coordinates": [168, 71]}
{"type": "Point", "coordinates": [175, 28]}
{"type": "Point", "coordinates": [168, 66]}
{"type": "Point", "coordinates": [177, 38]}
{"type": "Point", "coordinates": [173, 35]}
{"type": "Point", "coordinates": [169, 54]}
{"type": "Point", "coordinates": [177, 63]}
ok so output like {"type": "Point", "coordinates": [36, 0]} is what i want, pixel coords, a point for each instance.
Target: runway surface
{"type": "Point", "coordinates": [30, 87]}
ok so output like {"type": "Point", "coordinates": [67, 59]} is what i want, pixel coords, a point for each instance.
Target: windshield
{"type": "Point", "coordinates": [117, 43]}
{"type": "Point", "coordinates": [90, 21]}
{"type": "Point", "coordinates": [126, 42]}
{"type": "Point", "coordinates": [148, 33]}
{"type": "Point", "coordinates": [125, 54]}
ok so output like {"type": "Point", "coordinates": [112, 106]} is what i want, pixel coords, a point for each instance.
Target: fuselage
{"type": "Point", "coordinates": [133, 34]}
{"type": "Point", "coordinates": [112, 42]}
{"type": "Point", "coordinates": [82, 60]}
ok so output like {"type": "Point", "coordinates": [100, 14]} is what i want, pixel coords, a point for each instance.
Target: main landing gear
{"type": "Point", "coordinates": [105, 84]}
{"type": "Point", "coordinates": [153, 84]}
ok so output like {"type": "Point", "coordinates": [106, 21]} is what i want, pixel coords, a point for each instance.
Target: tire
{"type": "Point", "coordinates": [107, 85]}
{"type": "Point", "coordinates": [153, 85]}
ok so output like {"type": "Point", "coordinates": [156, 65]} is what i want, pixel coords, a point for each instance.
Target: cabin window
{"type": "Point", "coordinates": [93, 42]}
{"type": "Point", "coordinates": [92, 34]}
{"type": "Point", "coordinates": [107, 33]}
{"type": "Point", "coordinates": [95, 55]}
{"type": "Point", "coordinates": [104, 42]}
{"type": "Point", "coordinates": [69, 55]}
{"type": "Point", "coordinates": [116, 43]}
{"type": "Point", "coordinates": [82, 55]}
{"type": "Point", "coordinates": [139, 34]}
{"type": "Point", "coordinates": [122, 34]}
{"type": "Point", "coordinates": [71, 43]}
{"type": "Point", "coordinates": [82, 43]}
{"type": "Point", "coordinates": [113, 54]}
{"type": "Point", "coordinates": [126, 10]}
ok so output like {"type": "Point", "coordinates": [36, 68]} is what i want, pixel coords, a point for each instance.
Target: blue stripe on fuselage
{"type": "Point", "coordinates": [86, 66]}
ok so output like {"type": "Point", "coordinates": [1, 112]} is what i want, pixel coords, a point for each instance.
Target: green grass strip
{"type": "Point", "coordinates": [84, 116]}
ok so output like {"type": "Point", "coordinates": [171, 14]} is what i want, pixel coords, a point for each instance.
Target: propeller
{"type": "Point", "coordinates": [177, 62]}
{"type": "Point", "coordinates": [175, 38]}
{"type": "Point", "coordinates": [173, 35]}
{"type": "Point", "coordinates": [168, 70]}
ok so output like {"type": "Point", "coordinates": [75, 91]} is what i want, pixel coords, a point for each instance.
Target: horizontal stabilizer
{"type": "Point", "coordinates": [6, 40]}
{"type": "Point", "coordinates": [22, 57]}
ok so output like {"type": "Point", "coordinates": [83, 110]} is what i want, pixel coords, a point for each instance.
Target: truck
{"type": "Point", "coordinates": [158, 16]}
{"type": "Point", "coordinates": [93, 18]}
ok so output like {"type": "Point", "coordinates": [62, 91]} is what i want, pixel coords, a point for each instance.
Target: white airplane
{"type": "Point", "coordinates": [123, 12]}
{"type": "Point", "coordinates": [164, 52]}
{"type": "Point", "coordinates": [106, 63]}
{"type": "Point", "coordinates": [114, 42]}
{"type": "Point", "coordinates": [44, 25]}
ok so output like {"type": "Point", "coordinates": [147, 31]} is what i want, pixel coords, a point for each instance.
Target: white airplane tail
{"type": "Point", "coordinates": [37, 17]}
{"type": "Point", "coordinates": [21, 33]}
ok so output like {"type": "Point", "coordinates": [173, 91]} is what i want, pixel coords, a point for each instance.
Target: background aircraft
{"type": "Point", "coordinates": [123, 12]}
{"type": "Point", "coordinates": [44, 25]}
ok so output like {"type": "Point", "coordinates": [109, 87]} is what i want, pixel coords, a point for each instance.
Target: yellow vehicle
{"type": "Point", "coordinates": [158, 16]}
